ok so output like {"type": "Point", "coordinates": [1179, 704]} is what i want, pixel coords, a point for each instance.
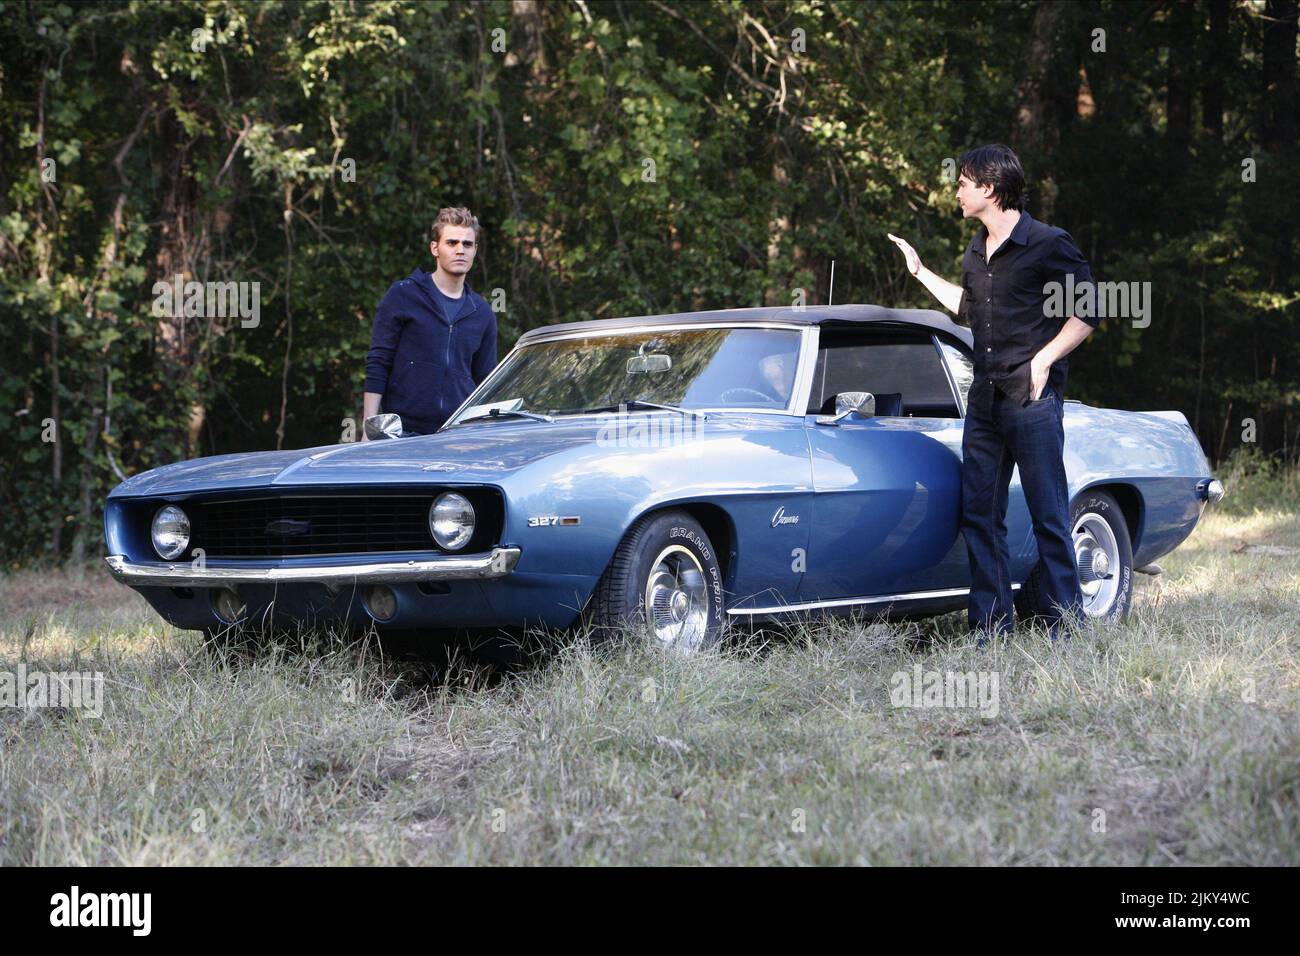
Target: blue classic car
{"type": "Point", "coordinates": [679, 470]}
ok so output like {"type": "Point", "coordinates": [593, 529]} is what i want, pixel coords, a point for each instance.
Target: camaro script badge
{"type": "Point", "coordinates": [781, 517]}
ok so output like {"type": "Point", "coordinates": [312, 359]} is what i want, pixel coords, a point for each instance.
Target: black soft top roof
{"type": "Point", "coordinates": [930, 319]}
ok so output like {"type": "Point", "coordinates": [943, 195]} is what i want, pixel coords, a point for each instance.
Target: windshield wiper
{"type": "Point", "coordinates": [498, 413]}
{"type": "Point", "coordinates": [642, 403]}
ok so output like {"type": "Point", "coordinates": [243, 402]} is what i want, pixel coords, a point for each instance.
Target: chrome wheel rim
{"type": "Point", "coordinates": [677, 599]}
{"type": "Point", "coordinates": [1096, 555]}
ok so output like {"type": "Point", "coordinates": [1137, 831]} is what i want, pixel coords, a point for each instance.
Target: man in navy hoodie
{"type": "Point", "coordinates": [434, 338]}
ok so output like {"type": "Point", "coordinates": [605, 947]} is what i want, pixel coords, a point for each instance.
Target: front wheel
{"type": "Point", "coordinates": [664, 578]}
{"type": "Point", "coordinates": [1103, 555]}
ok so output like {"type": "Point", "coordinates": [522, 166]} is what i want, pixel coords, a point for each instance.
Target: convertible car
{"type": "Point", "coordinates": [679, 471]}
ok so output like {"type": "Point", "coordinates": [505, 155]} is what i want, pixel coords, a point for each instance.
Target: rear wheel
{"type": "Point", "coordinates": [1103, 555]}
{"type": "Point", "coordinates": [665, 580]}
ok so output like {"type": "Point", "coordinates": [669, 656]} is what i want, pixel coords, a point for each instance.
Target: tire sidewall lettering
{"type": "Point", "coordinates": [1103, 508]}
{"type": "Point", "coordinates": [705, 554]}
{"type": "Point", "coordinates": [694, 539]}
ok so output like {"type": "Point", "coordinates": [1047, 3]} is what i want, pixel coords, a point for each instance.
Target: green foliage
{"type": "Point", "coordinates": [625, 158]}
{"type": "Point", "coordinates": [1256, 482]}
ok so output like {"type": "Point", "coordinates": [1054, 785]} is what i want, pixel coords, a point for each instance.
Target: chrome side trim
{"type": "Point", "coordinates": [947, 371]}
{"type": "Point", "coordinates": [541, 336]}
{"type": "Point", "coordinates": [806, 371]}
{"type": "Point", "coordinates": [494, 564]}
{"type": "Point", "coordinates": [855, 601]}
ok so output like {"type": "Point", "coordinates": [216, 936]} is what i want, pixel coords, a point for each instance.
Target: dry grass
{"type": "Point", "coordinates": [1181, 727]}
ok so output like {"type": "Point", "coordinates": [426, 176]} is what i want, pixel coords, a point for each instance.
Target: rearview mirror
{"type": "Point", "coordinates": [654, 362]}
{"type": "Point", "coordinates": [387, 425]}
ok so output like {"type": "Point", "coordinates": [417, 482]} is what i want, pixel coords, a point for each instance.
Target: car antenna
{"type": "Point", "coordinates": [830, 297]}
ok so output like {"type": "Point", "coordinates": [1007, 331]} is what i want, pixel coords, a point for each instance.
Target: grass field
{"type": "Point", "coordinates": [1174, 739]}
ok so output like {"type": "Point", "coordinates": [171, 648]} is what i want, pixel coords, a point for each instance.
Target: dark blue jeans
{"type": "Point", "coordinates": [999, 434]}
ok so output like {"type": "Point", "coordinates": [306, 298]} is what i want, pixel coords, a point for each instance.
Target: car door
{"type": "Point", "coordinates": [886, 489]}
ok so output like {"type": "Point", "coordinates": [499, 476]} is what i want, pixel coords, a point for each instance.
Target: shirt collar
{"type": "Point", "coordinates": [1019, 232]}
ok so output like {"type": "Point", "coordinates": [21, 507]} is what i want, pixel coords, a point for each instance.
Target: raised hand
{"type": "Point", "coordinates": [913, 260]}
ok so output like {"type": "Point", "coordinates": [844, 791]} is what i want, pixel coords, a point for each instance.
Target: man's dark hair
{"type": "Point", "coordinates": [999, 167]}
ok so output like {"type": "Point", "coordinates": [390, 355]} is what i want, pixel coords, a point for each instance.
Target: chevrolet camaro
{"type": "Point", "coordinates": [675, 471]}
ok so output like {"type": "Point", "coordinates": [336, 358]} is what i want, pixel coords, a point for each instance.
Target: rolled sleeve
{"type": "Point", "coordinates": [1065, 260]}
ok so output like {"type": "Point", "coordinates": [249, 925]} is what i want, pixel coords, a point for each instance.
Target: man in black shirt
{"type": "Point", "coordinates": [1015, 406]}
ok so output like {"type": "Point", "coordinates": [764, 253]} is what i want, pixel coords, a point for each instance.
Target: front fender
{"type": "Point", "coordinates": [746, 469]}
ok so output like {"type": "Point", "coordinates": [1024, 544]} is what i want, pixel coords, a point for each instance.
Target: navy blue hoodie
{"type": "Point", "coordinates": [424, 363]}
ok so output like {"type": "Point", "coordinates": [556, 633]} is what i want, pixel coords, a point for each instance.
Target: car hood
{"type": "Point", "coordinates": [486, 452]}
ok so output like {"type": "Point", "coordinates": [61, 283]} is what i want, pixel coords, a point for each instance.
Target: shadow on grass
{"type": "Point", "coordinates": [406, 663]}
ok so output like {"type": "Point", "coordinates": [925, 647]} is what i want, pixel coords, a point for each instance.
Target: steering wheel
{"type": "Point", "coordinates": [762, 396]}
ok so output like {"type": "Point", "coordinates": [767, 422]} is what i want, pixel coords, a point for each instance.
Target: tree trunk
{"type": "Point", "coordinates": [46, 245]}
{"type": "Point", "coordinates": [526, 38]}
{"type": "Point", "coordinates": [56, 462]}
{"type": "Point", "coordinates": [179, 249]}
{"type": "Point", "coordinates": [1178, 84]}
{"type": "Point", "coordinates": [86, 504]}
{"type": "Point", "coordinates": [1215, 59]}
{"type": "Point", "coordinates": [1037, 134]}
{"type": "Point", "coordinates": [1279, 124]}
{"type": "Point", "coordinates": [1279, 73]}
{"type": "Point", "coordinates": [778, 228]}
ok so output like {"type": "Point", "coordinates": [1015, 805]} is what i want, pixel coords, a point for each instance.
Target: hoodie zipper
{"type": "Point", "coordinates": [451, 331]}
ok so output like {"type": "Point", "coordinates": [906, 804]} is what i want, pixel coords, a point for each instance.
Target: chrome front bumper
{"type": "Point", "coordinates": [494, 564]}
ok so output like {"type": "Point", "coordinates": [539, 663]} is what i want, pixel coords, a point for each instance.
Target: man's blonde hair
{"type": "Point", "coordinates": [455, 216]}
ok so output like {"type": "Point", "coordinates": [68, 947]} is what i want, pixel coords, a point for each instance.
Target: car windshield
{"type": "Point", "coordinates": [689, 368]}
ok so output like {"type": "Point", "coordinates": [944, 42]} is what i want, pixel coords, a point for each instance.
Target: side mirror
{"type": "Point", "coordinates": [862, 404]}
{"type": "Point", "coordinates": [387, 425]}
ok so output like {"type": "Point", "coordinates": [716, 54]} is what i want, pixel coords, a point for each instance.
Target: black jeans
{"type": "Point", "coordinates": [999, 434]}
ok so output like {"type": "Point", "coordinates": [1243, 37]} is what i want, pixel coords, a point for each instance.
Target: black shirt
{"type": "Point", "coordinates": [1005, 306]}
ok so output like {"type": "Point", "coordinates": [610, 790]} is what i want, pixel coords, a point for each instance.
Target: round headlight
{"type": "Point", "coordinates": [170, 532]}
{"type": "Point", "coordinates": [451, 521]}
